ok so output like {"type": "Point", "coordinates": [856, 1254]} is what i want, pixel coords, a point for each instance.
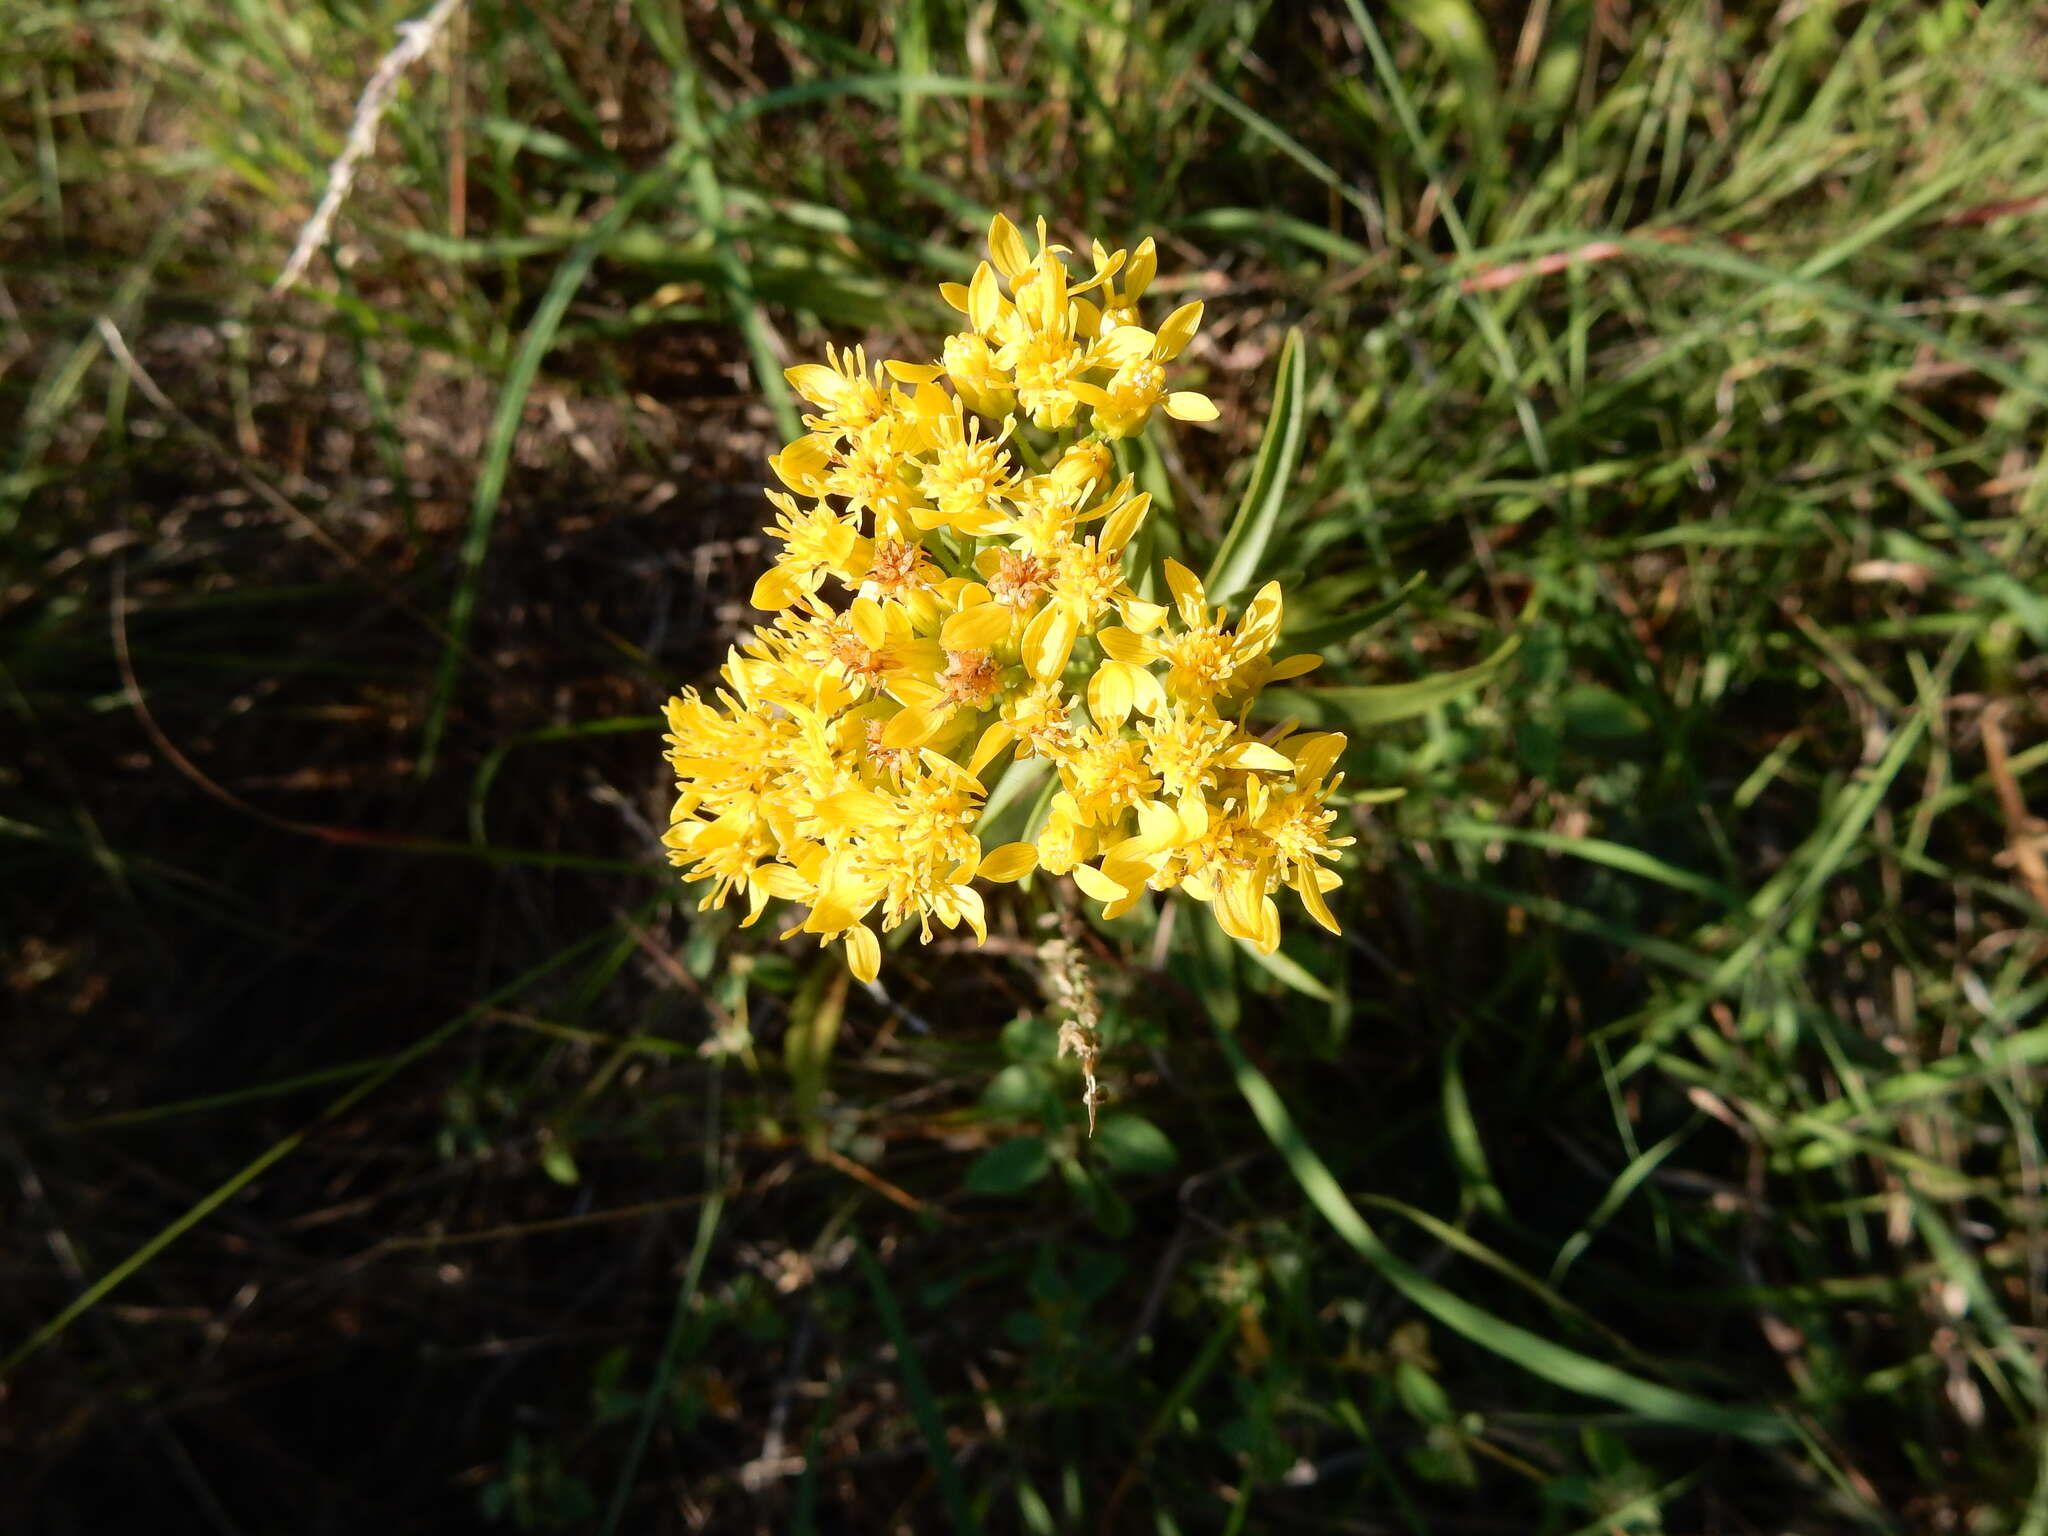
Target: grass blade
{"type": "Point", "coordinates": [924, 1407]}
{"type": "Point", "coordinates": [1384, 703]}
{"type": "Point", "coordinates": [1258, 515]}
{"type": "Point", "coordinates": [1566, 1368]}
{"type": "Point", "coordinates": [504, 429]}
{"type": "Point", "coordinates": [126, 1270]}
{"type": "Point", "coordinates": [693, 1274]}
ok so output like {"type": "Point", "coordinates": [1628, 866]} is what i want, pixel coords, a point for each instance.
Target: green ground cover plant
{"type": "Point", "coordinates": [1641, 409]}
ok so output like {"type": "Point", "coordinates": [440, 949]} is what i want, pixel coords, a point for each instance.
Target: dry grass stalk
{"type": "Point", "coordinates": [414, 39]}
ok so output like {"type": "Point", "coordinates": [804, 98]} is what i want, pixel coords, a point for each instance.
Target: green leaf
{"type": "Point", "coordinates": [807, 1047]}
{"type": "Point", "coordinates": [1030, 1038]}
{"type": "Point", "coordinates": [1422, 1394]}
{"type": "Point", "coordinates": [555, 1159]}
{"type": "Point", "coordinates": [1009, 1167]}
{"type": "Point", "coordinates": [1318, 634]}
{"type": "Point", "coordinates": [1380, 705]}
{"type": "Point", "coordinates": [1015, 1092]}
{"type": "Point", "coordinates": [1258, 515]}
{"type": "Point", "coordinates": [1289, 972]}
{"type": "Point", "coordinates": [1593, 713]}
{"type": "Point", "coordinates": [1131, 1144]}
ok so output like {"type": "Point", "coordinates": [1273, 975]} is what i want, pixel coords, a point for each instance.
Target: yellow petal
{"type": "Point", "coordinates": [1186, 405]}
{"type": "Point", "coordinates": [1178, 331]}
{"type": "Point", "coordinates": [1147, 696]}
{"type": "Point", "coordinates": [782, 882]}
{"type": "Point", "coordinates": [1142, 616]}
{"type": "Point", "coordinates": [914, 727]}
{"type": "Point", "coordinates": [757, 902]}
{"type": "Point", "coordinates": [839, 907]}
{"type": "Point", "coordinates": [993, 742]}
{"type": "Point", "coordinates": [1048, 642]}
{"type": "Point", "coordinates": [865, 615]}
{"type": "Point", "coordinates": [815, 382]}
{"type": "Point", "coordinates": [980, 628]}
{"type": "Point", "coordinates": [1125, 344]}
{"type": "Point", "coordinates": [852, 808]}
{"type": "Point", "coordinates": [1268, 938]}
{"type": "Point", "coordinates": [1121, 645]}
{"type": "Point", "coordinates": [800, 464]}
{"type": "Point", "coordinates": [1293, 666]}
{"type": "Point", "coordinates": [1261, 621]}
{"type": "Point", "coordinates": [1109, 695]}
{"type": "Point", "coordinates": [971, 910]}
{"type": "Point", "coordinates": [1187, 591]}
{"type": "Point", "coordinates": [1122, 523]}
{"type": "Point", "coordinates": [1318, 908]}
{"type": "Point", "coordinates": [913, 373]}
{"type": "Point", "coordinates": [1143, 268]}
{"type": "Point", "coordinates": [1006, 247]}
{"type": "Point", "coordinates": [1255, 755]}
{"type": "Point", "coordinates": [1012, 861]}
{"type": "Point", "coordinates": [954, 294]}
{"type": "Point", "coordinates": [1093, 882]}
{"type": "Point", "coordinates": [776, 589]}
{"type": "Point", "coordinates": [921, 656]}
{"type": "Point", "coordinates": [984, 299]}
{"type": "Point", "coordinates": [863, 952]}
{"type": "Point", "coordinates": [1158, 825]}
{"type": "Point", "coordinates": [1315, 754]}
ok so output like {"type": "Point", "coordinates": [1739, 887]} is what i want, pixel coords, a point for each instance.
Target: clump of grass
{"type": "Point", "coordinates": [1663, 1149]}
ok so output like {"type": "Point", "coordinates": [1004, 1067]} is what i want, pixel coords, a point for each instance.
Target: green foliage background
{"type": "Point", "coordinates": [389, 1143]}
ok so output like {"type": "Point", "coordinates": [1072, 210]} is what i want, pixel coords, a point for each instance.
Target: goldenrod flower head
{"type": "Point", "coordinates": [952, 590]}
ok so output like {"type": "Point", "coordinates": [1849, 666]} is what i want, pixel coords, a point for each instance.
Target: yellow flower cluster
{"type": "Point", "coordinates": [976, 542]}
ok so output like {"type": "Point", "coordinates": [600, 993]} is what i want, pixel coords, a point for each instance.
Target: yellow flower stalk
{"type": "Point", "coordinates": [953, 592]}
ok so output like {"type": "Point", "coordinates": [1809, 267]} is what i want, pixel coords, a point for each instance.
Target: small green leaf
{"type": "Point", "coordinates": [1421, 1394]}
{"type": "Point", "coordinates": [1537, 745]}
{"type": "Point", "coordinates": [1590, 712]}
{"type": "Point", "coordinates": [1030, 1038]}
{"type": "Point", "coordinates": [1009, 1167]}
{"type": "Point", "coordinates": [1258, 515]}
{"type": "Point", "coordinates": [1014, 1093]}
{"type": "Point", "coordinates": [1383, 704]}
{"type": "Point", "coordinates": [555, 1160]}
{"type": "Point", "coordinates": [1131, 1144]}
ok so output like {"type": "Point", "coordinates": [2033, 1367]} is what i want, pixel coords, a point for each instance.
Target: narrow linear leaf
{"type": "Point", "coordinates": [1317, 634]}
{"type": "Point", "coordinates": [807, 1047]}
{"type": "Point", "coordinates": [1387, 702]}
{"type": "Point", "coordinates": [1539, 1356]}
{"type": "Point", "coordinates": [923, 1406]}
{"type": "Point", "coordinates": [1258, 515]}
{"type": "Point", "coordinates": [504, 428]}
{"type": "Point", "coordinates": [101, 1288]}
{"type": "Point", "coordinates": [1288, 972]}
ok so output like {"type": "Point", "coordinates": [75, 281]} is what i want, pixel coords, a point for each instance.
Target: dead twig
{"type": "Point", "coordinates": [414, 39]}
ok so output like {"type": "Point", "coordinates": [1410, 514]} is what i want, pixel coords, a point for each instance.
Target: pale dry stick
{"type": "Point", "coordinates": [414, 39]}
